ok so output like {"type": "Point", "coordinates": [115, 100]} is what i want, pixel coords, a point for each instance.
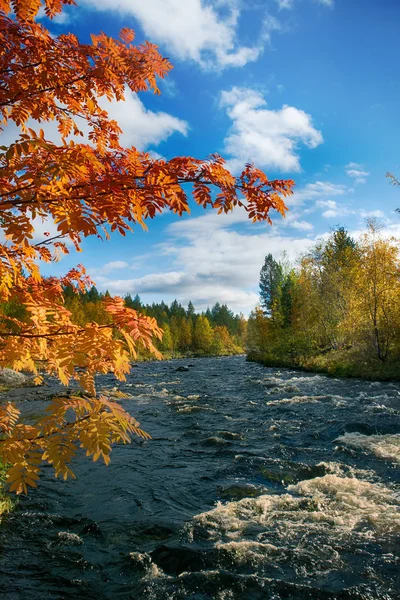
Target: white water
{"type": "Point", "coordinates": [342, 505]}
{"type": "Point", "coordinates": [383, 446]}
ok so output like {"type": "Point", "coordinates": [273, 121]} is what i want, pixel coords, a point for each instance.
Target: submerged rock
{"type": "Point", "coordinates": [182, 369]}
{"type": "Point", "coordinates": [176, 560]}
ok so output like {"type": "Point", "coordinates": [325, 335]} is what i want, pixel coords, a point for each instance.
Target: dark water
{"type": "Point", "coordinates": [259, 483]}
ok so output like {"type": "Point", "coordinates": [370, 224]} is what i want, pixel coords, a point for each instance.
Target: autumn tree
{"type": "Point", "coordinates": [222, 341]}
{"type": "Point", "coordinates": [203, 335]}
{"type": "Point", "coordinates": [87, 185]}
{"type": "Point", "coordinates": [328, 272]}
{"type": "Point", "coordinates": [339, 310]}
{"type": "Point", "coordinates": [375, 306]}
{"type": "Point", "coordinates": [185, 334]}
{"type": "Point", "coordinates": [166, 342]}
{"type": "Point", "coordinates": [257, 341]}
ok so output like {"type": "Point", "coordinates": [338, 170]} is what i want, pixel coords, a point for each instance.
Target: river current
{"type": "Point", "coordinates": [259, 483]}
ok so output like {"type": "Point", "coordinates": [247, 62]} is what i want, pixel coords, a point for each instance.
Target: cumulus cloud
{"type": "Point", "coordinates": [301, 225]}
{"type": "Point", "coordinates": [357, 172]}
{"type": "Point", "coordinates": [204, 32]}
{"type": "Point", "coordinates": [333, 209]}
{"type": "Point", "coordinates": [208, 260]}
{"type": "Point", "coordinates": [316, 191]}
{"type": "Point", "coordinates": [269, 138]}
{"type": "Point", "coordinates": [154, 283]}
{"type": "Point", "coordinates": [217, 258]}
{"type": "Point", "coordinates": [141, 127]}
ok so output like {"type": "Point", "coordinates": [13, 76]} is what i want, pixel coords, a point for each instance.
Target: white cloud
{"type": "Point", "coordinates": [302, 225]}
{"type": "Point", "coordinates": [289, 4]}
{"type": "Point", "coordinates": [316, 191]}
{"type": "Point", "coordinates": [357, 172]}
{"type": "Point", "coordinates": [326, 204]}
{"type": "Point", "coordinates": [269, 138]}
{"type": "Point", "coordinates": [371, 214]}
{"type": "Point", "coordinates": [115, 264]}
{"type": "Point", "coordinates": [62, 18]}
{"type": "Point", "coordinates": [270, 24]}
{"type": "Point", "coordinates": [211, 262]}
{"type": "Point", "coordinates": [141, 127]}
{"type": "Point", "coordinates": [333, 209]}
{"type": "Point", "coordinates": [205, 32]}
{"type": "Point", "coordinates": [148, 283]}
{"type": "Point", "coordinates": [216, 258]}
{"type": "Point", "coordinates": [208, 223]}
{"type": "Point", "coordinates": [43, 229]}
{"type": "Point", "coordinates": [285, 4]}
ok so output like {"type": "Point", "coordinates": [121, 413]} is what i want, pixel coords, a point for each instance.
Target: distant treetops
{"type": "Point", "coordinates": [217, 331]}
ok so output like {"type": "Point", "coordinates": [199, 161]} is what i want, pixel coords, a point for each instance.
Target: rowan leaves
{"type": "Point", "coordinates": [88, 184]}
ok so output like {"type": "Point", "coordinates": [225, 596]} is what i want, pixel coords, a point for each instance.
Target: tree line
{"type": "Point", "coordinates": [214, 332]}
{"type": "Point", "coordinates": [337, 310]}
{"type": "Point", "coordinates": [217, 331]}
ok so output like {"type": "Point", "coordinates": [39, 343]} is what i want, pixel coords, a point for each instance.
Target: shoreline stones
{"type": "Point", "coordinates": [11, 378]}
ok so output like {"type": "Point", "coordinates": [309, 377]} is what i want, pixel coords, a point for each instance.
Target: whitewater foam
{"type": "Point", "coordinates": [383, 446]}
{"type": "Point", "coordinates": [299, 400]}
{"type": "Point", "coordinates": [70, 538]}
{"type": "Point", "coordinates": [328, 505]}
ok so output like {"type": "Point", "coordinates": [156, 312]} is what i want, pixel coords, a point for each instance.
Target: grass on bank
{"type": "Point", "coordinates": [336, 363]}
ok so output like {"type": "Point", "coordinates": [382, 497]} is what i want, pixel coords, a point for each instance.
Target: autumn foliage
{"type": "Point", "coordinates": [87, 185]}
{"type": "Point", "coordinates": [338, 311]}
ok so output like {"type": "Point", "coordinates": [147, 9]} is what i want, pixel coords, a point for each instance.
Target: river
{"type": "Point", "coordinates": [259, 483]}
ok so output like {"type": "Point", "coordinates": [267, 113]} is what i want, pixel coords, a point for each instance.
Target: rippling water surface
{"type": "Point", "coordinates": [258, 483]}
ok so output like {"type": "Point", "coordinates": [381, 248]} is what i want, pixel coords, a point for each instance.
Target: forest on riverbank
{"type": "Point", "coordinates": [337, 311]}
{"type": "Point", "coordinates": [215, 332]}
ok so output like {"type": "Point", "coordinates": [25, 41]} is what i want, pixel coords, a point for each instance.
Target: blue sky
{"type": "Point", "coordinates": [307, 89]}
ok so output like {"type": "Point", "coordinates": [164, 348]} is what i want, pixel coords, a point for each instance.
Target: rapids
{"type": "Point", "coordinates": [259, 483]}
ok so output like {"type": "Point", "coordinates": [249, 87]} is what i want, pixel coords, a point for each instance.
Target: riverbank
{"type": "Point", "coordinates": [336, 363]}
{"type": "Point", "coordinates": [187, 355]}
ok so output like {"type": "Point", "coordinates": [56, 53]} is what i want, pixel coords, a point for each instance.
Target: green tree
{"type": "Point", "coordinates": [190, 310]}
{"type": "Point", "coordinates": [270, 283]}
